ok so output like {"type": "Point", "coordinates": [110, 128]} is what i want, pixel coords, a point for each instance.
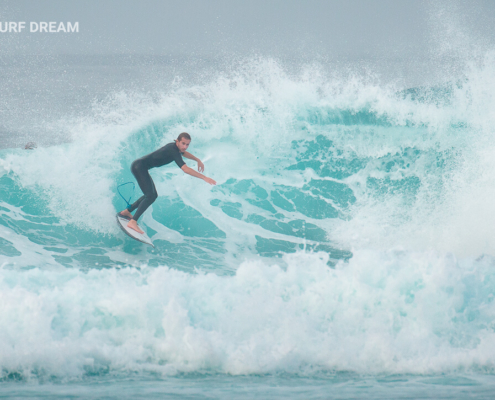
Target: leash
{"type": "Point", "coordinates": [123, 198]}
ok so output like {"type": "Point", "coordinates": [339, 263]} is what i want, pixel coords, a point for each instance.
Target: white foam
{"type": "Point", "coordinates": [391, 312]}
{"type": "Point", "coordinates": [243, 123]}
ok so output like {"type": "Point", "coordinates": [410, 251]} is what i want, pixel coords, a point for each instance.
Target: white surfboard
{"type": "Point", "coordinates": [141, 237]}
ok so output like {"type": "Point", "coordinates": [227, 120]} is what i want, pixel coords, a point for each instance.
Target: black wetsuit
{"type": "Point", "coordinates": [139, 168]}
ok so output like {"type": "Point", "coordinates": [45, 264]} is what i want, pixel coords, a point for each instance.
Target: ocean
{"type": "Point", "coordinates": [347, 250]}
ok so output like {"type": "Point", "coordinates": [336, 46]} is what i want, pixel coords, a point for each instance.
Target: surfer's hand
{"type": "Point", "coordinates": [201, 166]}
{"type": "Point", "coordinates": [210, 181]}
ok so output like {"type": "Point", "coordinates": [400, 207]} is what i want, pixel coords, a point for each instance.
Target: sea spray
{"type": "Point", "coordinates": [349, 231]}
{"type": "Point", "coordinates": [395, 313]}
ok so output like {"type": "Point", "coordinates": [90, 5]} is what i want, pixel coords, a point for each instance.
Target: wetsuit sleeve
{"type": "Point", "coordinates": [178, 160]}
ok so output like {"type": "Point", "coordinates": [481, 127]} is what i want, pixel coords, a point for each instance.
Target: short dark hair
{"type": "Point", "coordinates": [184, 135]}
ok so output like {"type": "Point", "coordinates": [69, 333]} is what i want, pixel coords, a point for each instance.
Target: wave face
{"type": "Point", "coordinates": [350, 230]}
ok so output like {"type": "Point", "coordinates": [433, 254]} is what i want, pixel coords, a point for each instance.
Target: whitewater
{"type": "Point", "coordinates": [348, 243]}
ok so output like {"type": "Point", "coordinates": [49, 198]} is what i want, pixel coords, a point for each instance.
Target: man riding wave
{"type": "Point", "coordinates": [164, 155]}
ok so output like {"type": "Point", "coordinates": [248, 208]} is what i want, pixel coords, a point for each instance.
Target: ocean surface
{"type": "Point", "coordinates": [347, 250]}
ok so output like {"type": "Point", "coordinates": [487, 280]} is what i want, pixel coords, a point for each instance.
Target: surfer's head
{"type": "Point", "coordinates": [183, 141]}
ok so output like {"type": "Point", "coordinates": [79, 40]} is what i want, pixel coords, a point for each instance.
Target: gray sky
{"type": "Point", "coordinates": [334, 28]}
{"type": "Point", "coordinates": [407, 42]}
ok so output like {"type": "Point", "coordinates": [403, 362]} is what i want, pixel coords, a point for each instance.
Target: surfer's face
{"type": "Point", "coordinates": [183, 144]}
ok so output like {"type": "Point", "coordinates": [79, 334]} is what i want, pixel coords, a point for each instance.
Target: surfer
{"type": "Point", "coordinates": [165, 155]}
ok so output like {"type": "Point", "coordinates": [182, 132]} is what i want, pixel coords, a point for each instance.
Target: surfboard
{"type": "Point", "coordinates": [140, 237]}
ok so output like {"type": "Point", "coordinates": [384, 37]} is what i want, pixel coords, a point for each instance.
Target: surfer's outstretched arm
{"type": "Point", "coordinates": [192, 172]}
{"type": "Point", "coordinates": [201, 166]}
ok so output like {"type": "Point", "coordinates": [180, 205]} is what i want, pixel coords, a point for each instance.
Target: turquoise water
{"type": "Point", "coordinates": [330, 386]}
{"type": "Point", "coordinates": [346, 251]}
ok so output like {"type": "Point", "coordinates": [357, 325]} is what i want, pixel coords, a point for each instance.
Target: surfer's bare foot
{"type": "Point", "coordinates": [126, 213]}
{"type": "Point", "coordinates": [133, 225]}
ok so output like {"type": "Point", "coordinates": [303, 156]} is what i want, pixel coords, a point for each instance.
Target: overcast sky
{"type": "Point", "coordinates": [407, 42]}
{"type": "Point", "coordinates": [350, 28]}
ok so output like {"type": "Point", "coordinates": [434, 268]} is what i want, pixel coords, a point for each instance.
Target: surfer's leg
{"type": "Point", "coordinates": [148, 188]}
{"type": "Point", "coordinates": [127, 211]}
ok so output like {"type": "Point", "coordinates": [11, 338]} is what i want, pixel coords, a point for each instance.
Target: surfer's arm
{"type": "Point", "coordinates": [192, 172]}
{"type": "Point", "coordinates": [201, 166]}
